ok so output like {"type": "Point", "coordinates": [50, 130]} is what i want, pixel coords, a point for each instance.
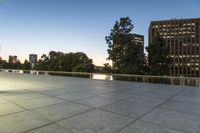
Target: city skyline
{"type": "Point", "coordinates": [37, 26]}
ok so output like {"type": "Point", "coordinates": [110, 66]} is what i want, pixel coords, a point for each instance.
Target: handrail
{"type": "Point", "coordinates": [109, 74]}
{"type": "Point", "coordinates": [182, 81]}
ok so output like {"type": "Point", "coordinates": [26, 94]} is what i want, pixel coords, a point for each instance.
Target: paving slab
{"type": "Point", "coordinates": [2, 100]}
{"type": "Point", "coordinates": [96, 121]}
{"type": "Point", "coordinates": [146, 100]}
{"type": "Point", "coordinates": [96, 101]}
{"type": "Point", "coordinates": [21, 95]}
{"type": "Point", "coordinates": [169, 89]}
{"type": "Point", "coordinates": [128, 109]}
{"type": "Point", "coordinates": [75, 95]}
{"type": "Point", "coordinates": [147, 127]}
{"type": "Point", "coordinates": [182, 106]}
{"type": "Point", "coordinates": [177, 120]}
{"type": "Point", "coordinates": [190, 93]}
{"type": "Point", "coordinates": [99, 91]}
{"type": "Point", "coordinates": [53, 128]}
{"type": "Point", "coordinates": [136, 91]}
{"type": "Point", "coordinates": [42, 103]}
{"type": "Point", "coordinates": [161, 95]}
{"type": "Point", "coordinates": [118, 95]}
{"type": "Point", "coordinates": [39, 102]}
{"type": "Point", "coordinates": [20, 122]}
{"type": "Point", "coordinates": [56, 92]}
{"type": "Point", "coordinates": [9, 108]}
{"type": "Point", "coordinates": [61, 111]}
{"type": "Point", "coordinates": [192, 100]}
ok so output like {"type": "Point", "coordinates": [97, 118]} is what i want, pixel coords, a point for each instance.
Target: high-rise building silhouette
{"type": "Point", "coordinates": [182, 36]}
{"type": "Point", "coordinates": [32, 60]}
{"type": "Point", "coordinates": [12, 59]}
{"type": "Point", "coordinates": [139, 40]}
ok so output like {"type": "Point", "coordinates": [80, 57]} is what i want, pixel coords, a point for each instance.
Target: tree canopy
{"type": "Point", "coordinates": [122, 49]}
{"type": "Point", "coordinates": [158, 57]}
{"type": "Point", "coordinates": [59, 61]}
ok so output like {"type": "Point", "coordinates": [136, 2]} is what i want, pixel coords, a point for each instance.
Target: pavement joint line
{"type": "Point", "coordinates": [26, 109]}
{"type": "Point", "coordinates": [47, 125]}
{"type": "Point", "coordinates": [38, 127]}
{"type": "Point", "coordinates": [13, 113]}
{"type": "Point", "coordinates": [117, 100]}
{"type": "Point", "coordinates": [69, 117]}
{"type": "Point", "coordinates": [49, 105]}
{"type": "Point", "coordinates": [162, 126]}
{"type": "Point", "coordinates": [84, 104]}
{"type": "Point", "coordinates": [50, 96]}
{"type": "Point", "coordinates": [64, 101]}
{"type": "Point", "coordinates": [14, 103]}
{"type": "Point", "coordinates": [25, 99]}
{"type": "Point", "coordinates": [64, 98]}
{"type": "Point", "coordinates": [130, 117]}
{"type": "Point", "coordinates": [82, 98]}
{"type": "Point", "coordinates": [151, 110]}
{"type": "Point", "coordinates": [121, 100]}
{"type": "Point", "coordinates": [180, 110]}
{"type": "Point", "coordinates": [170, 98]}
{"type": "Point", "coordinates": [52, 122]}
{"type": "Point", "coordinates": [32, 111]}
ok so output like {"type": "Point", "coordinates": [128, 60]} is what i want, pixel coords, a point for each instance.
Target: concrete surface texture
{"type": "Point", "coordinates": [53, 104]}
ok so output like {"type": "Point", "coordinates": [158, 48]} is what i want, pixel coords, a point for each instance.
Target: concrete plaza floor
{"type": "Point", "coordinates": [50, 104]}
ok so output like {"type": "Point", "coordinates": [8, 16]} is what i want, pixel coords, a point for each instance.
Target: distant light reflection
{"type": "Point", "coordinates": [102, 77]}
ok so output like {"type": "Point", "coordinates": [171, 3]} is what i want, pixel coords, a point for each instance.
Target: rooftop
{"type": "Point", "coordinates": [176, 19]}
{"type": "Point", "coordinates": [40, 104]}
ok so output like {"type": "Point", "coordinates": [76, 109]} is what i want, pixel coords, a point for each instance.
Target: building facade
{"type": "Point", "coordinates": [139, 40]}
{"type": "Point", "coordinates": [136, 39]}
{"type": "Point", "coordinates": [12, 59]}
{"type": "Point", "coordinates": [1, 63]}
{"type": "Point", "coordinates": [182, 36]}
{"type": "Point", "coordinates": [32, 60]}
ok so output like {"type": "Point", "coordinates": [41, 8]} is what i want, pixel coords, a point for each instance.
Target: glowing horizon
{"type": "Point", "coordinates": [38, 26]}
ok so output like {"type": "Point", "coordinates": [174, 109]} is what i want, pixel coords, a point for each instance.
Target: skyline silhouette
{"type": "Point", "coordinates": [38, 26]}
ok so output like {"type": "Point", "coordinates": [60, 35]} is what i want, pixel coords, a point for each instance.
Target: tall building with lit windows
{"type": "Point", "coordinates": [139, 40]}
{"type": "Point", "coordinates": [182, 36]}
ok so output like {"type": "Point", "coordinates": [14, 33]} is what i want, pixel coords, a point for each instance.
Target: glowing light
{"type": "Point", "coordinates": [102, 77]}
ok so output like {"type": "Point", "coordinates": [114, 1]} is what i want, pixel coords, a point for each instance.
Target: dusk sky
{"type": "Point", "coordinates": [39, 26]}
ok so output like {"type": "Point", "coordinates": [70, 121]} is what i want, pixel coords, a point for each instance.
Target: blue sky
{"type": "Point", "coordinates": [38, 26]}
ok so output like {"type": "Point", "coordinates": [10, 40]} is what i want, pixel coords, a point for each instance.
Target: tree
{"type": "Point", "coordinates": [81, 63]}
{"type": "Point", "coordinates": [158, 57]}
{"type": "Point", "coordinates": [1, 63]}
{"type": "Point", "coordinates": [59, 61]}
{"type": "Point", "coordinates": [107, 68]}
{"type": "Point", "coordinates": [26, 65]}
{"type": "Point", "coordinates": [122, 50]}
{"type": "Point", "coordinates": [43, 63]}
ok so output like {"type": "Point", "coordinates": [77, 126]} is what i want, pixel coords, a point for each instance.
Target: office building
{"type": "Point", "coordinates": [1, 63]}
{"type": "Point", "coordinates": [12, 59]}
{"type": "Point", "coordinates": [182, 36]}
{"type": "Point", "coordinates": [32, 60]}
{"type": "Point", "coordinates": [139, 40]}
